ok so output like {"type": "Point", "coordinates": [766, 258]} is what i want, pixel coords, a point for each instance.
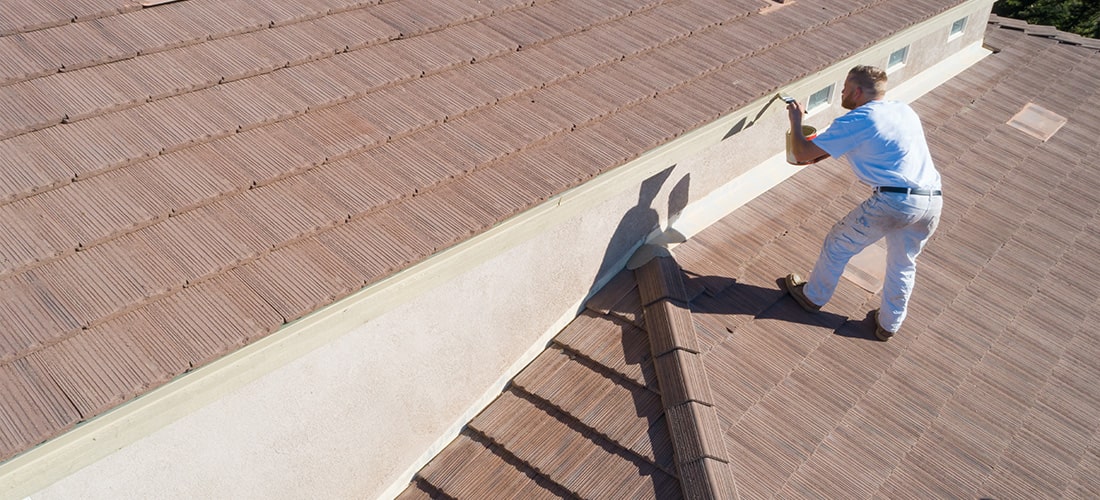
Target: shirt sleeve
{"type": "Point", "coordinates": [841, 136]}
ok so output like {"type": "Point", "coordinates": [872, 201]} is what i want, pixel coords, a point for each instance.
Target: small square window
{"type": "Point", "coordinates": [957, 28]}
{"type": "Point", "coordinates": [897, 58]}
{"type": "Point", "coordinates": [820, 98]}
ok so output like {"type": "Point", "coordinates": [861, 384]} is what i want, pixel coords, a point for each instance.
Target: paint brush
{"type": "Point", "coordinates": [788, 99]}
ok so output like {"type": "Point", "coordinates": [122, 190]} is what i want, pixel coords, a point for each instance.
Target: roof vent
{"type": "Point", "coordinates": [153, 3]}
{"type": "Point", "coordinates": [772, 5]}
{"type": "Point", "coordinates": [1037, 121]}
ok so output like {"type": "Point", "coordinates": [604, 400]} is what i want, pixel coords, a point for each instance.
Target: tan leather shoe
{"type": "Point", "coordinates": [795, 285]}
{"type": "Point", "coordinates": [880, 332]}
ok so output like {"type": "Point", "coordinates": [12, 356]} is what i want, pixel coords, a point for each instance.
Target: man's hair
{"type": "Point", "coordinates": [870, 79]}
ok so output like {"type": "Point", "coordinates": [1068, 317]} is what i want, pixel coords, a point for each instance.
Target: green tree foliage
{"type": "Point", "coordinates": [1075, 16]}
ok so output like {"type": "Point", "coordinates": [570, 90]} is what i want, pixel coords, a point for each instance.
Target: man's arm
{"type": "Point", "coordinates": [803, 150]}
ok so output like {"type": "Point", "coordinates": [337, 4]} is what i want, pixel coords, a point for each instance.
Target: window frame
{"type": "Point", "coordinates": [829, 91]}
{"type": "Point", "coordinates": [894, 66]}
{"type": "Point", "coordinates": [958, 27]}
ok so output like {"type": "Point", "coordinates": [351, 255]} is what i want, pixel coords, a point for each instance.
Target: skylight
{"type": "Point", "coordinates": [1037, 121]}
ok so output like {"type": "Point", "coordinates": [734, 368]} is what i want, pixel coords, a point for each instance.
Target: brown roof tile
{"type": "Point", "coordinates": [683, 379]}
{"type": "Point", "coordinates": [72, 364]}
{"type": "Point", "coordinates": [573, 460]}
{"type": "Point", "coordinates": [661, 280]}
{"type": "Point", "coordinates": [708, 479]}
{"type": "Point", "coordinates": [395, 244]}
{"type": "Point", "coordinates": [499, 474]}
{"type": "Point", "coordinates": [687, 423]}
{"type": "Point", "coordinates": [36, 405]}
{"type": "Point", "coordinates": [521, 28]}
{"type": "Point", "coordinates": [195, 341]}
{"type": "Point", "coordinates": [282, 13]}
{"type": "Point", "coordinates": [32, 233]}
{"type": "Point", "coordinates": [612, 343]}
{"type": "Point", "coordinates": [25, 15]}
{"type": "Point", "coordinates": [31, 107]}
{"type": "Point", "coordinates": [669, 326]}
{"type": "Point", "coordinates": [20, 62]}
{"type": "Point", "coordinates": [599, 401]}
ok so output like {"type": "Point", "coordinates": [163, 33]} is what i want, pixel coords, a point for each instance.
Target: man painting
{"type": "Point", "coordinates": [884, 143]}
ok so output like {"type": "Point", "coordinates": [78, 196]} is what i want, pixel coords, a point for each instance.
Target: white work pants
{"type": "Point", "coordinates": [906, 221]}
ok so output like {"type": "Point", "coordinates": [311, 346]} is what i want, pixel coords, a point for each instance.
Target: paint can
{"type": "Point", "coordinates": [810, 133]}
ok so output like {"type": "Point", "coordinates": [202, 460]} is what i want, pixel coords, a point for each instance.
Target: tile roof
{"type": "Point", "coordinates": [989, 391]}
{"type": "Point", "coordinates": [181, 180]}
{"type": "Point", "coordinates": [1044, 31]}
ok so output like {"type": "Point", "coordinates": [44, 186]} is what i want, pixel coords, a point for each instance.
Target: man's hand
{"type": "Point", "coordinates": [795, 112]}
{"type": "Point", "coordinates": [803, 150]}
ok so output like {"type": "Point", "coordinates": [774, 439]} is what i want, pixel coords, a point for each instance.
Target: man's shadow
{"type": "Point", "coordinates": [743, 302]}
{"type": "Point", "coordinates": [641, 219]}
{"type": "Point", "coordinates": [637, 223]}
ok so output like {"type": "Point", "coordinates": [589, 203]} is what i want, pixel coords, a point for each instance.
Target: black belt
{"type": "Point", "coordinates": [918, 192]}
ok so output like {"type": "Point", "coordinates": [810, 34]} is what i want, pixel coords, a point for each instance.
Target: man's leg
{"type": "Point", "coordinates": [862, 226]}
{"type": "Point", "coordinates": [902, 248]}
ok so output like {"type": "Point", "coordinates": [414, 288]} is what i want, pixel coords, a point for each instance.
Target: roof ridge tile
{"type": "Point", "coordinates": [685, 387]}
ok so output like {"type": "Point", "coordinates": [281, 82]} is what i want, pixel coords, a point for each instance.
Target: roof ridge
{"type": "Point", "coordinates": [1043, 31]}
{"type": "Point", "coordinates": [701, 455]}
